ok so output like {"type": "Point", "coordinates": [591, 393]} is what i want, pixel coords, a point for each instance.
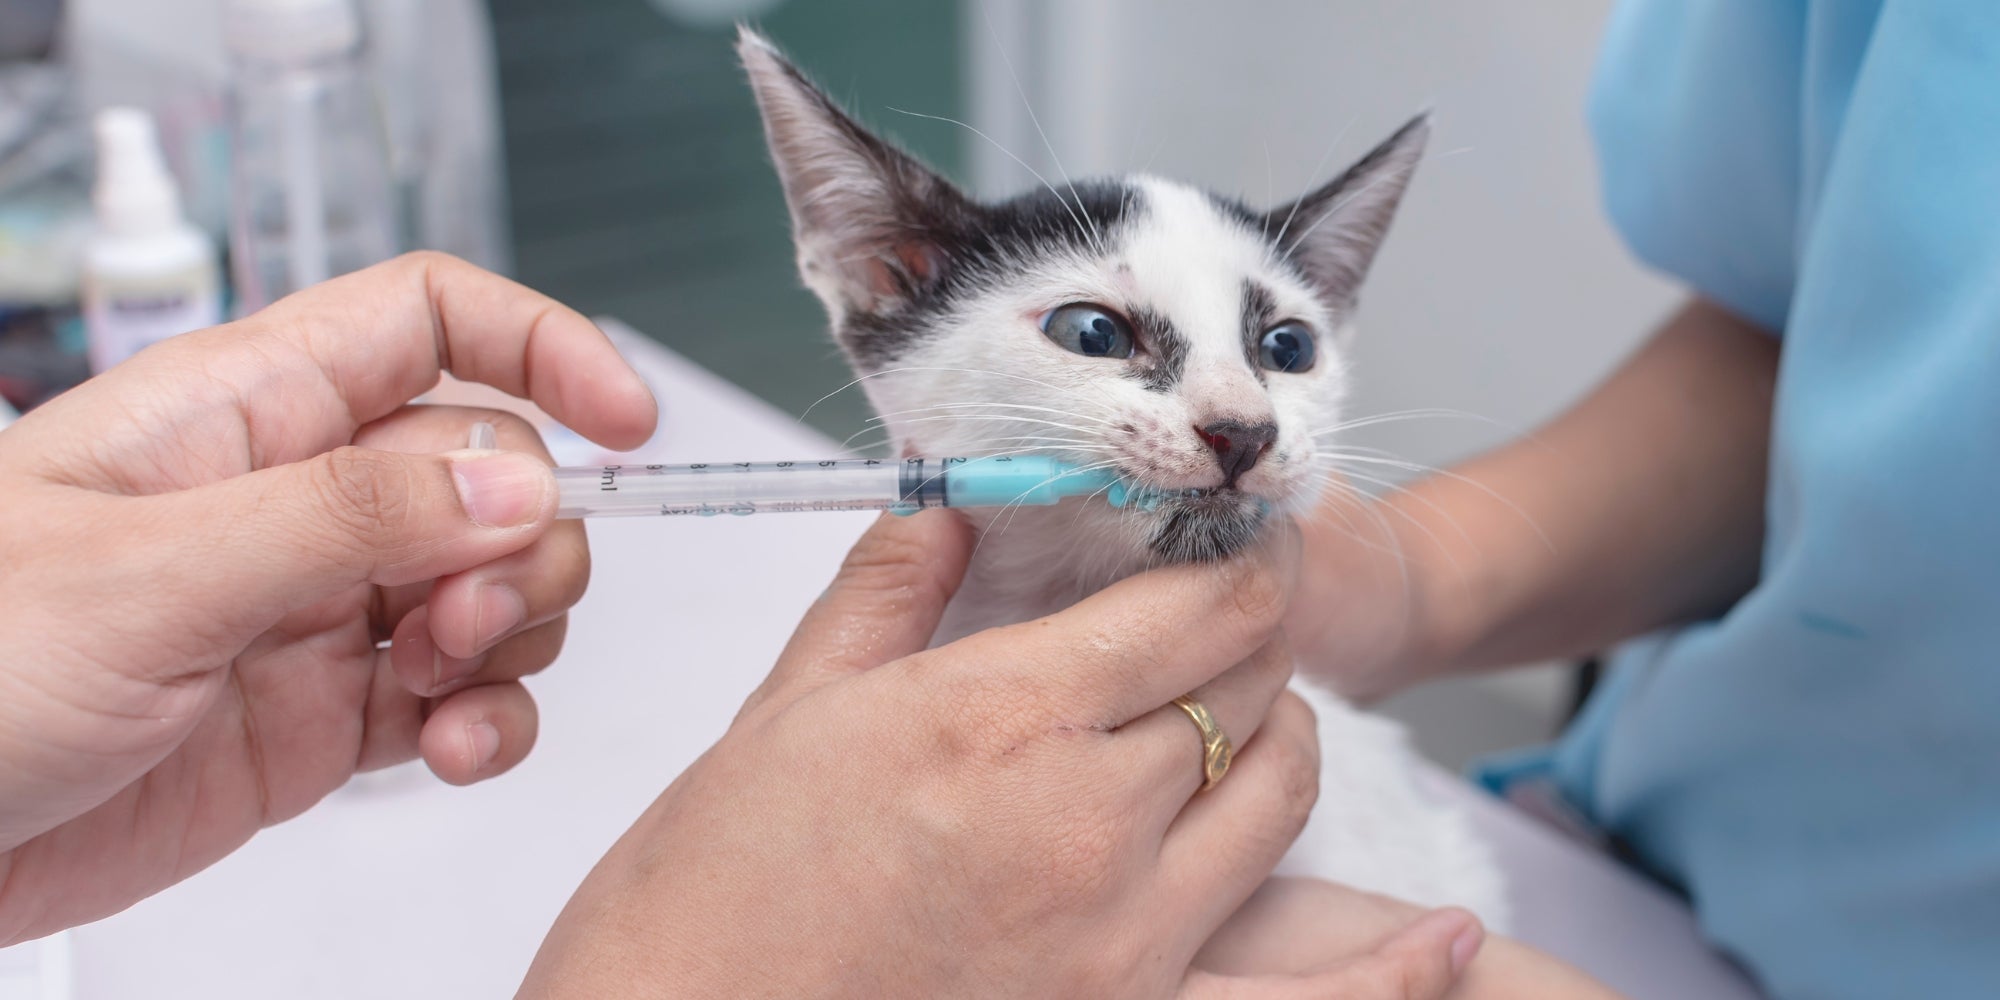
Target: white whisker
{"type": "Point", "coordinates": [964, 371]}
{"type": "Point", "coordinates": [1079, 219]}
{"type": "Point", "coordinates": [1312, 183]}
{"type": "Point", "coordinates": [992, 35]}
{"type": "Point", "coordinates": [1013, 507]}
{"type": "Point", "coordinates": [1424, 413]}
{"type": "Point", "coordinates": [884, 417]}
{"type": "Point", "coordinates": [1335, 208]}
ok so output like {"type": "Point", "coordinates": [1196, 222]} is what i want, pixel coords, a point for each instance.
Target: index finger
{"type": "Point", "coordinates": [379, 337]}
{"type": "Point", "coordinates": [884, 604]}
{"type": "Point", "coordinates": [1148, 639]}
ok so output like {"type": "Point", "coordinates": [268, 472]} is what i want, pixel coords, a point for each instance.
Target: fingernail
{"type": "Point", "coordinates": [501, 491]}
{"type": "Point", "coordinates": [484, 742]}
{"type": "Point", "coordinates": [1465, 946]}
{"type": "Point", "coordinates": [448, 673]}
{"type": "Point", "coordinates": [497, 611]}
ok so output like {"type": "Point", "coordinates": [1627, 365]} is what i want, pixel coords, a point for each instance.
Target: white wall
{"type": "Point", "coordinates": [1502, 291]}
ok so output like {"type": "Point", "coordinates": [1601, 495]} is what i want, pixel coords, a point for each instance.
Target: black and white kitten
{"type": "Point", "coordinates": [1179, 338]}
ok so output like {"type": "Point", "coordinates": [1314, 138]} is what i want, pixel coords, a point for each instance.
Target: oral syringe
{"type": "Point", "coordinates": [904, 486]}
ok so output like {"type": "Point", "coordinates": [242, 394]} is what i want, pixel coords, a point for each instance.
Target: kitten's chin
{"type": "Point", "coordinates": [1207, 525]}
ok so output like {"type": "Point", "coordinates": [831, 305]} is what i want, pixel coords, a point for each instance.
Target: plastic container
{"type": "Point", "coordinates": [311, 196]}
{"type": "Point", "coordinates": [147, 273]}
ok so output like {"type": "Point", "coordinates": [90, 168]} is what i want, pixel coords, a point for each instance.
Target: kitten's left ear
{"type": "Point", "coordinates": [867, 217]}
{"type": "Point", "coordinates": [1334, 232]}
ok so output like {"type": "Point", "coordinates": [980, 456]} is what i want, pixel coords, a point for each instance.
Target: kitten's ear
{"type": "Point", "coordinates": [1333, 233]}
{"type": "Point", "coordinates": [867, 217]}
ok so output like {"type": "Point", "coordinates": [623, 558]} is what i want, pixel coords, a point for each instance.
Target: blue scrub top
{"type": "Point", "coordinates": [1819, 768]}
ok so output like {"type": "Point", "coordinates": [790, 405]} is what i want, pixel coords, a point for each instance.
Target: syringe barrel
{"type": "Point", "coordinates": [904, 486]}
{"type": "Point", "coordinates": [704, 488]}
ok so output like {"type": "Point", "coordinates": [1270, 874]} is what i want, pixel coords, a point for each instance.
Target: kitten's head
{"type": "Point", "coordinates": [1188, 342]}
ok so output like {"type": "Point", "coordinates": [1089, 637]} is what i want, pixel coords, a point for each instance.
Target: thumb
{"type": "Point", "coordinates": [885, 602]}
{"type": "Point", "coordinates": [1421, 962]}
{"type": "Point", "coordinates": [290, 535]}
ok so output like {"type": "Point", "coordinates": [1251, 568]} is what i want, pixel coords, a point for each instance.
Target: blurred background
{"type": "Point", "coordinates": [608, 153]}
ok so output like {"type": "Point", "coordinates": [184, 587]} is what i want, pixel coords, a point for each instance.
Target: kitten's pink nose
{"type": "Point", "coordinates": [1237, 445]}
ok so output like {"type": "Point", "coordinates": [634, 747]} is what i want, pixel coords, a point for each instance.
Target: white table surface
{"type": "Point", "coordinates": [399, 886]}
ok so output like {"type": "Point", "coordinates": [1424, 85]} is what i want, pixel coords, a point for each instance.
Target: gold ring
{"type": "Point", "coordinates": [1216, 752]}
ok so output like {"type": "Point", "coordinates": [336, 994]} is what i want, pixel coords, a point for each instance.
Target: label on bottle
{"type": "Point", "coordinates": [122, 325]}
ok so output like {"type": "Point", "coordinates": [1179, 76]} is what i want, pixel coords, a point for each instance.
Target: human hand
{"type": "Point", "coordinates": [1309, 925]}
{"type": "Point", "coordinates": [209, 548]}
{"type": "Point", "coordinates": [1365, 598]}
{"type": "Point", "coordinates": [1014, 814]}
{"type": "Point", "coordinates": [1641, 507]}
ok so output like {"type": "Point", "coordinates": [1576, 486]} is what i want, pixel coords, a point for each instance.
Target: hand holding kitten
{"type": "Point", "coordinates": [1014, 814]}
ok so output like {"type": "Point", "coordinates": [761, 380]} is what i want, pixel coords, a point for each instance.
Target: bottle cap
{"type": "Point", "coordinates": [135, 195]}
{"type": "Point", "coordinates": [290, 30]}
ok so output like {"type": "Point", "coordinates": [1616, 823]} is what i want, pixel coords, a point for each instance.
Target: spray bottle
{"type": "Point", "coordinates": [311, 197]}
{"type": "Point", "coordinates": [147, 273]}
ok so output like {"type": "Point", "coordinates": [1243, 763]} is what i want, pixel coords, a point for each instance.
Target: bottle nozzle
{"type": "Point", "coordinates": [135, 195]}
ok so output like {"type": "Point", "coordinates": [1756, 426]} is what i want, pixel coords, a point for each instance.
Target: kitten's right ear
{"type": "Point", "coordinates": [867, 217]}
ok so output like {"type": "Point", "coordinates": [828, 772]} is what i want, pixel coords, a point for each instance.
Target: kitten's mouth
{"type": "Point", "coordinates": [1213, 501]}
{"type": "Point", "coordinates": [1203, 524]}
{"type": "Point", "coordinates": [1192, 499]}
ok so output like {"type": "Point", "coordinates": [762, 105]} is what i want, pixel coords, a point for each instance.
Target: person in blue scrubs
{"type": "Point", "coordinates": [1790, 492]}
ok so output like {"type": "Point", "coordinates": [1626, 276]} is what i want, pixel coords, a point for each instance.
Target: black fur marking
{"type": "Point", "coordinates": [1266, 226]}
{"type": "Point", "coordinates": [1260, 310]}
{"type": "Point", "coordinates": [985, 249]}
{"type": "Point", "coordinates": [1205, 529]}
{"type": "Point", "coordinates": [1160, 369]}
{"type": "Point", "coordinates": [1251, 219]}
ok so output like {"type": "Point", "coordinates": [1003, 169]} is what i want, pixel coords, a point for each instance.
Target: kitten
{"type": "Point", "coordinates": [1180, 338]}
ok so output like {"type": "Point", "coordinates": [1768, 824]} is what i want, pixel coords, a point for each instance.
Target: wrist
{"type": "Point", "coordinates": [1387, 595]}
{"type": "Point", "coordinates": [1450, 579]}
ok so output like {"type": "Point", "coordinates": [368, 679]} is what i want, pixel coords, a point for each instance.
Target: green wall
{"type": "Point", "coordinates": [640, 188]}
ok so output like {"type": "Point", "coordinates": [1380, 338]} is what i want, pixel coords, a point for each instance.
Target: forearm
{"type": "Point", "coordinates": [1508, 969]}
{"type": "Point", "coordinates": [1640, 507]}
{"type": "Point", "coordinates": [1292, 924]}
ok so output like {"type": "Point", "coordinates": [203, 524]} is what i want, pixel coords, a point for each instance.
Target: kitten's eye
{"type": "Point", "coordinates": [1287, 347]}
{"type": "Point", "coordinates": [1092, 331]}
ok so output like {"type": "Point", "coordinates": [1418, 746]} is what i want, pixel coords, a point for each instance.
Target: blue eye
{"type": "Point", "coordinates": [1287, 347]}
{"type": "Point", "coordinates": [1092, 331]}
